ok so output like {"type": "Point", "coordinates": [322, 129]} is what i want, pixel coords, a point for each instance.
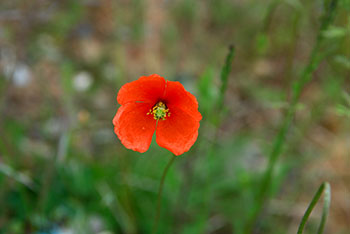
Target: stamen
{"type": "Point", "coordinates": [159, 111]}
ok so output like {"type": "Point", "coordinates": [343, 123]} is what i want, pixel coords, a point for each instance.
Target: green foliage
{"type": "Point", "coordinates": [277, 147]}
{"type": "Point", "coordinates": [62, 169]}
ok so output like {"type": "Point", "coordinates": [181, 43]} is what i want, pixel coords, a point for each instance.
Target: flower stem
{"type": "Point", "coordinates": [160, 192]}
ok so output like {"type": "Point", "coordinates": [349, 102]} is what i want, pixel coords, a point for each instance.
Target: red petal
{"type": "Point", "coordinates": [134, 127]}
{"type": "Point", "coordinates": [145, 89]}
{"type": "Point", "coordinates": [178, 132]}
{"type": "Point", "coordinates": [176, 96]}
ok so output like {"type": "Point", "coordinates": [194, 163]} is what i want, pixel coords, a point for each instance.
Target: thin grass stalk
{"type": "Point", "coordinates": [225, 72]}
{"type": "Point", "coordinates": [306, 76]}
{"type": "Point", "coordinates": [326, 188]}
{"type": "Point", "coordinates": [224, 75]}
{"type": "Point", "coordinates": [269, 15]}
{"type": "Point", "coordinates": [326, 206]}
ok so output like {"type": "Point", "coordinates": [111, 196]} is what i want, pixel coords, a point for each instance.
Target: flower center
{"type": "Point", "coordinates": [159, 111]}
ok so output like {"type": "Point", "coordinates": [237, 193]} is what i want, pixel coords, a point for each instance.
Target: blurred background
{"type": "Point", "coordinates": [62, 62]}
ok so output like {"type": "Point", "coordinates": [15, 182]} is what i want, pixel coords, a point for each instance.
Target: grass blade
{"type": "Point", "coordinates": [225, 72]}
{"type": "Point", "coordinates": [326, 188]}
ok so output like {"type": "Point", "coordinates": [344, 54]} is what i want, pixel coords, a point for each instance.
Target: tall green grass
{"type": "Point", "coordinates": [326, 189]}
{"type": "Point", "coordinates": [315, 59]}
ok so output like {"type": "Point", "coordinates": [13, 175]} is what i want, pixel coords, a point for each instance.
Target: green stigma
{"type": "Point", "coordinates": [159, 111]}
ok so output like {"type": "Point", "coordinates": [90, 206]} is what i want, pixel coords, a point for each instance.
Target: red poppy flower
{"type": "Point", "coordinates": [151, 104]}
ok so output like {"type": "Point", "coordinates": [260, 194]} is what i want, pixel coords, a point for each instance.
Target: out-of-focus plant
{"type": "Point", "coordinates": [315, 59]}
{"type": "Point", "coordinates": [344, 109]}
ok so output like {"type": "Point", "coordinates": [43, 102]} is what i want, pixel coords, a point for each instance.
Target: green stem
{"type": "Point", "coordinates": [326, 204]}
{"type": "Point", "coordinates": [306, 76]}
{"type": "Point", "coordinates": [160, 192]}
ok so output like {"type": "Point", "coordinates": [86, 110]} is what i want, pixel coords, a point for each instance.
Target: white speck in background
{"type": "Point", "coordinates": [21, 75]}
{"type": "Point", "coordinates": [82, 81]}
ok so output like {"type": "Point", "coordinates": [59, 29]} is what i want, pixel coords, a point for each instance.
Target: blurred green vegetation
{"type": "Point", "coordinates": [63, 170]}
